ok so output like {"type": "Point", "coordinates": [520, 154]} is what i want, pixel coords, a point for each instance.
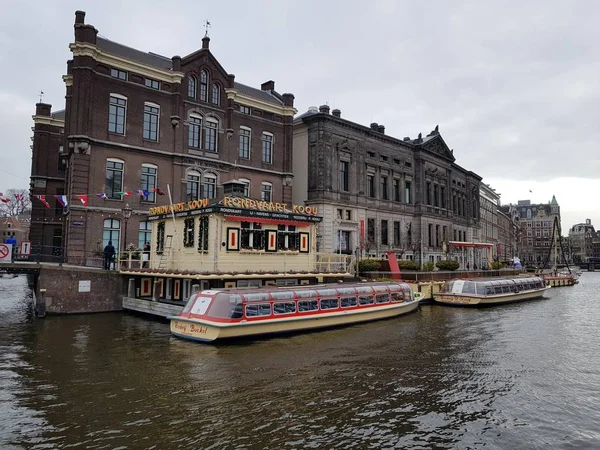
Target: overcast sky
{"type": "Point", "coordinates": [513, 86]}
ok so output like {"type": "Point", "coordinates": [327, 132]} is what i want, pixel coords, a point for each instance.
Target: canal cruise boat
{"type": "Point", "coordinates": [491, 291]}
{"type": "Point", "coordinates": [212, 315]}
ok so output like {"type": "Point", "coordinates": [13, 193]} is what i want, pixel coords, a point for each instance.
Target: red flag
{"type": "Point", "coordinates": [158, 191]}
{"type": "Point", "coordinates": [19, 197]}
{"type": "Point", "coordinates": [42, 198]}
{"type": "Point", "coordinates": [5, 200]}
{"type": "Point", "coordinates": [83, 199]}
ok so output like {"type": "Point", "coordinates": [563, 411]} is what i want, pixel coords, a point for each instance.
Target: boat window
{"type": "Point", "coordinates": [261, 309]}
{"type": "Point", "coordinates": [514, 288]}
{"type": "Point", "coordinates": [489, 290]}
{"type": "Point", "coordinates": [408, 294]}
{"type": "Point", "coordinates": [327, 292]}
{"type": "Point", "coordinates": [380, 288]}
{"type": "Point", "coordinates": [519, 287]}
{"type": "Point", "coordinates": [308, 305]}
{"type": "Point", "coordinates": [382, 298]}
{"type": "Point", "coordinates": [189, 303]}
{"type": "Point", "coordinates": [200, 305]}
{"type": "Point", "coordinates": [364, 289]}
{"type": "Point", "coordinates": [329, 303]}
{"type": "Point", "coordinates": [347, 290]}
{"type": "Point", "coordinates": [480, 288]}
{"type": "Point", "coordinates": [365, 300]}
{"type": "Point", "coordinates": [256, 296]}
{"type": "Point", "coordinates": [282, 295]}
{"type": "Point", "coordinates": [222, 307]}
{"type": "Point", "coordinates": [506, 289]}
{"type": "Point", "coordinates": [284, 308]}
{"type": "Point", "coordinates": [469, 287]}
{"type": "Point", "coordinates": [306, 294]}
{"type": "Point", "coordinates": [397, 296]}
{"type": "Point", "coordinates": [497, 289]}
{"type": "Point", "coordinates": [348, 302]}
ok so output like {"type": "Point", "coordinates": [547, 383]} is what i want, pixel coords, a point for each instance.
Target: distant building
{"type": "Point", "coordinates": [537, 232]}
{"type": "Point", "coordinates": [581, 241]}
{"type": "Point", "coordinates": [509, 235]}
{"type": "Point", "coordinates": [378, 193]}
{"type": "Point", "coordinates": [489, 201]}
{"type": "Point", "coordinates": [14, 227]}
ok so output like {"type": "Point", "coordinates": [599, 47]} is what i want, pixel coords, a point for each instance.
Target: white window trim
{"type": "Point", "coordinates": [266, 133]}
{"type": "Point", "coordinates": [214, 120]}
{"type": "Point", "coordinates": [152, 105]}
{"type": "Point", "coordinates": [246, 181]}
{"type": "Point", "coordinates": [122, 97]}
{"type": "Point", "coordinates": [262, 185]}
{"type": "Point", "coordinates": [242, 127]}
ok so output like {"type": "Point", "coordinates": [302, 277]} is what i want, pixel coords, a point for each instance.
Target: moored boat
{"type": "Point", "coordinates": [491, 291]}
{"type": "Point", "coordinates": [232, 313]}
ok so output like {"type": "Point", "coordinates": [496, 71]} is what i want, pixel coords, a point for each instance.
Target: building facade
{"type": "Point", "coordinates": [581, 238]}
{"type": "Point", "coordinates": [377, 193]}
{"type": "Point", "coordinates": [539, 233]}
{"type": "Point", "coordinates": [489, 201]}
{"type": "Point", "coordinates": [140, 128]}
{"type": "Point", "coordinates": [508, 235]}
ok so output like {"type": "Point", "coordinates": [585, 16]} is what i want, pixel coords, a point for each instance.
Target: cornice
{"type": "Point", "coordinates": [45, 120]}
{"type": "Point", "coordinates": [245, 100]}
{"type": "Point", "coordinates": [68, 79]}
{"type": "Point", "coordinates": [92, 51]}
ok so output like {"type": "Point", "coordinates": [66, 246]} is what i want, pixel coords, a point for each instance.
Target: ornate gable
{"type": "Point", "coordinates": [437, 146]}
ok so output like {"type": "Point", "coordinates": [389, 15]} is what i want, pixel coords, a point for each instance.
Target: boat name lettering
{"type": "Point", "coordinates": [196, 329]}
{"type": "Point", "coordinates": [247, 203]}
{"type": "Point", "coordinates": [179, 207]}
{"type": "Point", "coordinates": [180, 326]}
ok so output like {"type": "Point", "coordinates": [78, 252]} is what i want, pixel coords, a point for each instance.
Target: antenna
{"type": "Point", "coordinates": [206, 27]}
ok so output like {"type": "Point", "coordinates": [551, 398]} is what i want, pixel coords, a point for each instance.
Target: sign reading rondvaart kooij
{"type": "Point", "coordinates": [235, 206]}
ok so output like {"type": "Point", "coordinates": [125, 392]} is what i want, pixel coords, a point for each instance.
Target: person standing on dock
{"type": "Point", "coordinates": [109, 255]}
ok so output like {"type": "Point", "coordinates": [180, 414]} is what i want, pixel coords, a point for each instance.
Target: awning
{"type": "Point", "coordinates": [269, 221]}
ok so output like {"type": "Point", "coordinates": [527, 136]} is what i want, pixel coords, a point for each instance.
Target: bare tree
{"type": "Point", "coordinates": [19, 203]}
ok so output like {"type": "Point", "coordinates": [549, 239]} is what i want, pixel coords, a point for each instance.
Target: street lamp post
{"type": "Point", "coordinates": [126, 212]}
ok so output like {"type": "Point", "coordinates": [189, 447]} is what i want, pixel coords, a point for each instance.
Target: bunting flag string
{"type": "Point", "coordinates": [64, 200]}
{"type": "Point", "coordinates": [42, 198]}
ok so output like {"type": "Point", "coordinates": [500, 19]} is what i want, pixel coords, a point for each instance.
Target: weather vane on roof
{"type": "Point", "coordinates": [206, 26]}
{"type": "Point", "coordinates": [41, 96]}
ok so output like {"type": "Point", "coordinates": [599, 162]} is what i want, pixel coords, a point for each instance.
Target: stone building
{"type": "Point", "coordinates": [508, 234]}
{"type": "Point", "coordinates": [139, 125]}
{"type": "Point", "coordinates": [489, 201]}
{"type": "Point", "coordinates": [377, 193]}
{"type": "Point", "coordinates": [537, 231]}
{"type": "Point", "coordinates": [581, 241]}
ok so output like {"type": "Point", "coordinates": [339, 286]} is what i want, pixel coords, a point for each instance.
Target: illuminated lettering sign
{"type": "Point", "coordinates": [247, 203]}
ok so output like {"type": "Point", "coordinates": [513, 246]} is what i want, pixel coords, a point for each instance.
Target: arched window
{"type": "Point", "coordinates": [111, 233]}
{"type": "Point", "coordinates": [216, 94]}
{"type": "Point", "coordinates": [195, 132]}
{"type": "Point", "coordinates": [204, 86]}
{"type": "Point", "coordinates": [193, 185]}
{"type": "Point", "coordinates": [148, 181]}
{"type": "Point", "coordinates": [246, 187]}
{"type": "Point", "coordinates": [117, 111]}
{"type": "Point", "coordinates": [210, 134]}
{"type": "Point", "coordinates": [266, 192]}
{"type": "Point", "coordinates": [267, 147]}
{"type": "Point", "coordinates": [192, 86]}
{"type": "Point", "coordinates": [209, 185]}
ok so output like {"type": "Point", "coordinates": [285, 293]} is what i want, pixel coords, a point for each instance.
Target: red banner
{"type": "Point", "coordinates": [362, 234]}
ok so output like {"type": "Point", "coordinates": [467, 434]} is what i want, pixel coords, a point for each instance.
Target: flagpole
{"type": "Point", "coordinates": [172, 209]}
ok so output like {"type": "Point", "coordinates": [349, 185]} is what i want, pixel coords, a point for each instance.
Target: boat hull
{"type": "Point", "coordinates": [208, 331]}
{"type": "Point", "coordinates": [559, 281]}
{"type": "Point", "coordinates": [449, 298]}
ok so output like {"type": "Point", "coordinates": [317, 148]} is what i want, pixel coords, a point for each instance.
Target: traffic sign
{"type": "Point", "coordinates": [5, 252]}
{"type": "Point", "coordinates": [25, 248]}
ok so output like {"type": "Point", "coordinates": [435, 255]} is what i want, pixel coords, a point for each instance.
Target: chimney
{"type": "Point", "coordinates": [324, 109]}
{"type": "Point", "coordinates": [205, 42]}
{"type": "Point", "coordinates": [43, 109]}
{"type": "Point", "coordinates": [406, 139]}
{"type": "Point", "coordinates": [374, 126]}
{"type": "Point", "coordinates": [231, 80]}
{"type": "Point", "coordinates": [313, 109]}
{"type": "Point", "coordinates": [336, 113]}
{"type": "Point", "coordinates": [288, 99]}
{"type": "Point", "coordinates": [381, 129]}
{"type": "Point", "coordinates": [80, 17]}
{"type": "Point", "coordinates": [268, 86]}
{"type": "Point", "coordinates": [176, 61]}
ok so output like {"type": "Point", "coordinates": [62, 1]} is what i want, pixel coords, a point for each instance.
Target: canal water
{"type": "Point", "coordinates": [522, 376]}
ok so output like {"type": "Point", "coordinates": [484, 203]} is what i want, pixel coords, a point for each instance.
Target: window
{"type": "Point", "coordinates": [152, 83]}
{"type": "Point", "coordinates": [151, 121]}
{"type": "Point", "coordinates": [430, 235]}
{"type": "Point", "coordinates": [210, 137]}
{"type": "Point", "coordinates": [144, 233]}
{"type": "Point", "coordinates": [62, 162]}
{"type": "Point", "coordinates": [116, 73]}
{"type": "Point", "coordinates": [116, 114]}
{"type": "Point", "coordinates": [266, 191]}
{"type": "Point", "coordinates": [203, 234]}
{"type": "Point", "coordinates": [244, 149]}
{"type": "Point", "coordinates": [114, 178]}
{"type": "Point", "coordinates": [348, 214]}
{"type": "Point", "coordinates": [111, 233]}
{"type": "Point", "coordinates": [149, 172]}
{"type": "Point", "coordinates": [396, 234]}
{"type": "Point", "coordinates": [428, 193]}
{"type": "Point", "coordinates": [246, 186]}
{"type": "Point", "coordinates": [436, 201]}
{"type": "Point", "coordinates": [192, 86]}
{"type": "Point", "coordinates": [407, 192]}
{"type": "Point", "coordinates": [384, 188]}
{"type": "Point", "coordinates": [216, 94]}
{"type": "Point", "coordinates": [203, 86]}
{"type": "Point", "coordinates": [193, 186]}
{"type": "Point", "coordinates": [209, 186]}
{"type": "Point", "coordinates": [188, 231]}
{"type": "Point", "coordinates": [245, 109]}
{"type": "Point", "coordinates": [370, 185]}
{"type": "Point", "coordinates": [437, 235]}
{"type": "Point", "coordinates": [384, 232]}
{"type": "Point", "coordinates": [344, 241]}
{"type": "Point", "coordinates": [252, 236]}
{"type": "Point", "coordinates": [397, 192]}
{"type": "Point", "coordinates": [443, 196]}
{"type": "Point", "coordinates": [371, 230]}
{"type": "Point", "coordinates": [344, 176]}
{"type": "Point", "coordinates": [195, 132]}
{"type": "Point", "coordinates": [287, 237]}
{"type": "Point", "coordinates": [267, 148]}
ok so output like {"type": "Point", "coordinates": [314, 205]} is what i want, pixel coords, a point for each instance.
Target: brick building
{"type": "Point", "coordinates": [581, 241]}
{"type": "Point", "coordinates": [382, 193]}
{"type": "Point", "coordinates": [137, 121]}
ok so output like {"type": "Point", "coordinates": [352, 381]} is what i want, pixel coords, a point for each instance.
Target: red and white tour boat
{"type": "Point", "coordinates": [232, 313]}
